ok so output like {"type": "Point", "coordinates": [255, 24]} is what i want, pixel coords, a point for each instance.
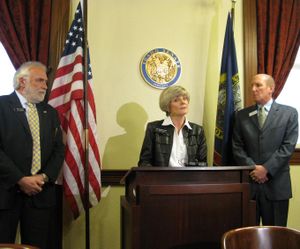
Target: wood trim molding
{"type": "Point", "coordinates": [112, 177]}
{"type": "Point", "coordinates": [250, 48]}
{"type": "Point", "coordinates": [59, 28]}
{"type": "Point", "coordinates": [295, 160]}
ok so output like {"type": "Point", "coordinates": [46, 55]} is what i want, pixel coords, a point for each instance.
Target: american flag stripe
{"type": "Point", "coordinates": [70, 82]}
{"type": "Point", "coordinates": [67, 97]}
{"type": "Point", "coordinates": [71, 90]}
{"type": "Point", "coordinates": [73, 197]}
{"type": "Point", "coordinates": [64, 67]}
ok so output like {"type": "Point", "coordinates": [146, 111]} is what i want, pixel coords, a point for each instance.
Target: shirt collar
{"type": "Point", "coordinates": [22, 99]}
{"type": "Point", "coordinates": [168, 121]}
{"type": "Point", "coordinates": [268, 105]}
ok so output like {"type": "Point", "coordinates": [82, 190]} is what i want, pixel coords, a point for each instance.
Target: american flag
{"type": "Point", "coordinates": [67, 97]}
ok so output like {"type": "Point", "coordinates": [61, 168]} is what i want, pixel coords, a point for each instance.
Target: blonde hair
{"type": "Point", "coordinates": [169, 94]}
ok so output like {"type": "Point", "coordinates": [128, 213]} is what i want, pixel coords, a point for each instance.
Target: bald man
{"type": "Point", "coordinates": [265, 136]}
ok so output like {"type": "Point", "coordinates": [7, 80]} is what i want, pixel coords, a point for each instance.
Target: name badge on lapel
{"type": "Point", "coordinates": [17, 109]}
{"type": "Point", "coordinates": [252, 113]}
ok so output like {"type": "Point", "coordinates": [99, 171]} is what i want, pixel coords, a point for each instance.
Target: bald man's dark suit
{"type": "Point", "coordinates": [16, 152]}
{"type": "Point", "coordinates": [271, 146]}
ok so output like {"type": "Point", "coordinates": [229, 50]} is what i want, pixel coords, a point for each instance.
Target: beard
{"type": "Point", "coordinates": [34, 96]}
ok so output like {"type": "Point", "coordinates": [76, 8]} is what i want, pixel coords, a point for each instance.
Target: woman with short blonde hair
{"type": "Point", "coordinates": [170, 93]}
{"type": "Point", "coordinates": [174, 141]}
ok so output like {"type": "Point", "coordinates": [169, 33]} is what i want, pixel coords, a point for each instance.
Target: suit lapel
{"type": "Point", "coordinates": [19, 111]}
{"type": "Point", "coordinates": [271, 116]}
{"type": "Point", "coordinates": [252, 114]}
{"type": "Point", "coordinates": [43, 120]}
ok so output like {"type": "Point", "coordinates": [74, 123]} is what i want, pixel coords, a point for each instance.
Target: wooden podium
{"type": "Point", "coordinates": [190, 207]}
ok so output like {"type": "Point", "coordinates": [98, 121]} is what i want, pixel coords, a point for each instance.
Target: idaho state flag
{"type": "Point", "coordinates": [229, 100]}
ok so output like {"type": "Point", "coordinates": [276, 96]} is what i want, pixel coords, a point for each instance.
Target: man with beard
{"type": "Point", "coordinates": [31, 155]}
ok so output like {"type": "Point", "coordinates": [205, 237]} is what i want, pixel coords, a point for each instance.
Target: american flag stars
{"type": "Point", "coordinates": [75, 35]}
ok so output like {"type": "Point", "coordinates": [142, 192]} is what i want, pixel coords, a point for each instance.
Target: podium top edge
{"type": "Point", "coordinates": [209, 168]}
{"type": "Point", "coordinates": [189, 169]}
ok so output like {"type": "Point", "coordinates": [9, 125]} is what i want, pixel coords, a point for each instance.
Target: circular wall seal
{"type": "Point", "coordinates": [160, 68]}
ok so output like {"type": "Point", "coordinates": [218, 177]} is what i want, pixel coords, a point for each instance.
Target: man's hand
{"type": "Point", "coordinates": [31, 185]}
{"type": "Point", "coordinates": [259, 174]}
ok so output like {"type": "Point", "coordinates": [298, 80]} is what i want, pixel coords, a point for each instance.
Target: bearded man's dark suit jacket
{"type": "Point", "coordinates": [158, 141]}
{"type": "Point", "coordinates": [270, 146]}
{"type": "Point", "coordinates": [16, 151]}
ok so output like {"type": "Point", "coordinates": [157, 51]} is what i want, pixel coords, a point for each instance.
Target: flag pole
{"type": "Point", "coordinates": [86, 126]}
{"type": "Point", "coordinates": [232, 10]}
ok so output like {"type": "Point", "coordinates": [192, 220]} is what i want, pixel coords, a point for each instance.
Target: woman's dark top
{"type": "Point", "coordinates": [158, 141]}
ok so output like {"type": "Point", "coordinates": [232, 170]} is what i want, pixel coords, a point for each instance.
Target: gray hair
{"type": "Point", "coordinates": [24, 70]}
{"type": "Point", "coordinates": [169, 94]}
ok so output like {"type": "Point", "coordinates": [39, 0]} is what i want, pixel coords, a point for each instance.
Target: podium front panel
{"type": "Point", "coordinates": [192, 208]}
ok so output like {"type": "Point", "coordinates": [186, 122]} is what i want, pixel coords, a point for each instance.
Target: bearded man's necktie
{"type": "Point", "coordinates": [34, 124]}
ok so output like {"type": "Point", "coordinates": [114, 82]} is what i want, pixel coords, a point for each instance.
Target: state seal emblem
{"type": "Point", "coordinates": [160, 68]}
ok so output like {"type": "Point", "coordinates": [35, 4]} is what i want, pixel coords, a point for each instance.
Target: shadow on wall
{"type": "Point", "coordinates": [122, 151]}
